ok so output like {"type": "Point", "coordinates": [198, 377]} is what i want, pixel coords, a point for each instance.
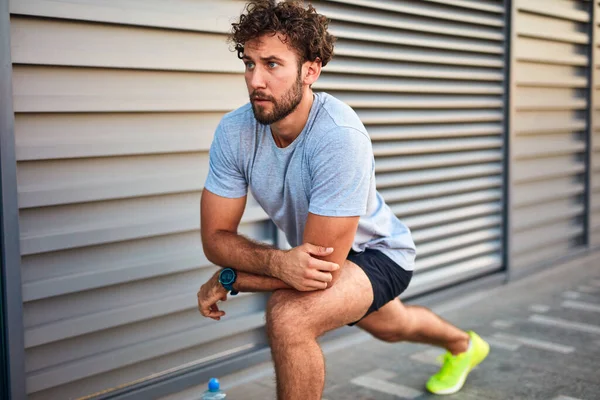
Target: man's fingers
{"type": "Point", "coordinates": [311, 284]}
{"type": "Point", "coordinates": [214, 312]}
{"type": "Point", "coordinates": [323, 265]}
{"type": "Point", "coordinates": [320, 276]}
{"type": "Point", "coordinates": [318, 250]}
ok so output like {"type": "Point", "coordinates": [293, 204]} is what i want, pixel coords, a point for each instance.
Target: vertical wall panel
{"type": "Point", "coordinates": [114, 118]}
{"type": "Point", "coordinates": [594, 217]}
{"type": "Point", "coordinates": [427, 79]}
{"type": "Point", "coordinates": [550, 67]}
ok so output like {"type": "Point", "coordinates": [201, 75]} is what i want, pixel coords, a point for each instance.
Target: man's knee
{"type": "Point", "coordinates": [285, 319]}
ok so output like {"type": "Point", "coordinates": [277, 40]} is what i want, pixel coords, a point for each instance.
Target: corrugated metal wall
{"type": "Point", "coordinates": [548, 137]}
{"type": "Point", "coordinates": [595, 133]}
{"type": "Point", "coordinates": [116, 103]}
{"type": "Point", "coordinates": [426, 78]}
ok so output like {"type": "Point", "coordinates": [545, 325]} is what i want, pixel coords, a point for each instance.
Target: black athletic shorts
{"type": "Point", "coordinates": [388, 279]}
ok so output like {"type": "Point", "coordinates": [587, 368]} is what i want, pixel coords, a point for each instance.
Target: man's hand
{"type": "Point", "coordinates": [298, 268]}
{"type": "Point", "coordinates": [208, 296]}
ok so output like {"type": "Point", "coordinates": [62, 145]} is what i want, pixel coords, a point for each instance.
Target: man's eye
{"type": "Point", "coordinates": [249, 65]}
{"type": "Point", "coordinates": [272, 64]}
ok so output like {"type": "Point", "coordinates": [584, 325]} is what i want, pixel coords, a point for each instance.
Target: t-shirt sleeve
{"type": "Point", "coordinates": [341, 170]}
{"type": "Point", "coordinates": [225, 177]}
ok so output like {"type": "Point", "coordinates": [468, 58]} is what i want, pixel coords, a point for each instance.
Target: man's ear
{"type": "Point", "coordinates": [313, 71]}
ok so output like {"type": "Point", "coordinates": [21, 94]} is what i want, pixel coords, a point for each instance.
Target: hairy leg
{"type": "Point", "coordinates": [295, 320]}
{"type": "Point", "coordinates": [396, 322]}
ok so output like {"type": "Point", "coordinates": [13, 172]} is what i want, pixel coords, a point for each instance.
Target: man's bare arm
{"type": "Point", "coordinates": [255, 283]}
{"type": "Point", "coordinates": [298, 267]}
{"type": "Point", "coordinates": [335, 232]}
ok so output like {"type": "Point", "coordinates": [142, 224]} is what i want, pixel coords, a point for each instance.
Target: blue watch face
{"type": "Point", "coordinates": [227, 276]}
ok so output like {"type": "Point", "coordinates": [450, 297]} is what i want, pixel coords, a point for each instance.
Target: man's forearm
{"type": "Point", "coordinates": [229, 249]}
{"type": "Point", "coordinates": [255, 283]}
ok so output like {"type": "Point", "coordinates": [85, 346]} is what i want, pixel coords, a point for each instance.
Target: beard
{"type": "Point", "coordinates": [281, 108]}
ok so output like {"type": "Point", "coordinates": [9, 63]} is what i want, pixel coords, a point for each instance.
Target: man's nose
{"type": "Point", "coordinates": [257, 79]}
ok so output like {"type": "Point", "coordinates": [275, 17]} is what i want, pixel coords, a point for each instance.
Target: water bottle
{"type": "Point", "coordinates": [214, 391]}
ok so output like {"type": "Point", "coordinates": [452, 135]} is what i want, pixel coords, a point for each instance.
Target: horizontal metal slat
{"type": "Point", "coordinates": [143, 351]}
{"type": "Point", "coordinates": [558, 9]}
{"type": "Point", "coordinates": [60, 89]}
{"type": "Point", "coordinates": [387, 100]}
{"type": "Point", "coordinates": [427, 116]}
{"type": "Point", "coordinates": [393, 68]}
{"type": "Point", "coordinates": [544, 145]}
{"type": "Point", "coordinates": [386, 84]}
{"type": "Point", "coordinates": [143, 269]}
{"type": "Point", "coordinates": [372, 50]}
{"type": "Point", "coordinates": [111, 303]}
{"type": "Point", "coordinates": [435, 146]}
{"type": "Point", "coordinates": [67, 135]}
{"type": "Point", "coordinates": [435, 219]}
{"type": "Point", "coordinates": [423, 191]}
{"type": "Point", "coordinates": [452, 229]}
{"type": "Point", "coordinates": [540, 75]}
{"type": "Point", "coordinates": [523, 219]}
{"type": "Point", "coordinates": [546, 122]}
{"type": "Point", "coordinates": [454, 256]}
{"type": "Point", "coordinates": [543, 51]}
{"type": "Point", "coordinates": [425, 10]}
{"type": "Point", "coordinates": [59, 42]}
{"type": "Point", "coordinates": [482, 5]}
{"type": "Point", "coordinates": [386, 35]}
{"type": "Point", "coordinates": [545, 235]}
{"type": "Point", "coordinates": [595, 203]}
{"type": "Point", "coordinates": [436, 175]}
{"type": "Point", "coordinates": [124, 317]}
{"type": "Point", "coordinates": [546, 168]}
{"type": "Point", "coordinates": [445, 245]}
{"type": "Point", "coordinates": [550, 105]}
{"type": "Point", "coordinates": [540, 27]}
{"type": "Point", "coordinates": [379, 133]}
{"type": "Point", "coordinates": [45, 183]}
{"type": "Point", "coordinates": [86, 324]}
{"type": "Point", "coordinates": [447, 202]}
{"type": "Point", "coordinates": [55, 228]}
{"type": "Point", "coordinates": [541, 254]}
{"type": "Point", "coordinates": [412, 23]}
{"type": "Point", "coordinates": [387, 164]}
{"type": "Point", "coordinates": [428, 281]}
{"type": "Point", "coordinates": [542, 191]}
{"type": "Point", "coordinates": [181, 14]}
{"type": "Point", "coordinates": [595, 181]}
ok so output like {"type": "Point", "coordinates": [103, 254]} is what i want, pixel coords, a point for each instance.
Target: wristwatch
{"type": "Point", "coordinates": [227, 278]}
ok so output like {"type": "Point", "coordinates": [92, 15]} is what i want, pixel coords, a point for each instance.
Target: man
{"type": "Point", "coordinates": [308, 161]}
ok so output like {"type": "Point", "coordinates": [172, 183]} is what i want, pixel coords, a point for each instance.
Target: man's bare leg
{"type": "Point", "coordinates": [396, 322]}
{"type": "Point", "coordinates": [296, 319]}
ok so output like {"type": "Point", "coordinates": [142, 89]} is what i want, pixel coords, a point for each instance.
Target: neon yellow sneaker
{"type": "Point", "coordinates": [455, 369]}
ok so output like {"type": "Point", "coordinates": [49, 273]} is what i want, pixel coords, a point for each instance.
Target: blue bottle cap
{"type": "Point", "coordinates": [213, 385]}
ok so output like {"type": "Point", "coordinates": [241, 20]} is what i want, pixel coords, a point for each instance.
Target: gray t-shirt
{"type": "Point", "coordinates": [327, 170]}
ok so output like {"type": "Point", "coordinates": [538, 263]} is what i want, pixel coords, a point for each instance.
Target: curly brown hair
{"type": "Point", "coordinates": [303, 28]}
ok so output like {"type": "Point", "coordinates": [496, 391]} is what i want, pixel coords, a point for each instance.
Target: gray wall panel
{"type": "Point", "coordinates": [426, 78]}
{"type": "Point", "coordinates": [548, 123]}
{"type": "Point", "coordinates": [112, 131]}
{"type": "Point", "coordinates": [594, 193]}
